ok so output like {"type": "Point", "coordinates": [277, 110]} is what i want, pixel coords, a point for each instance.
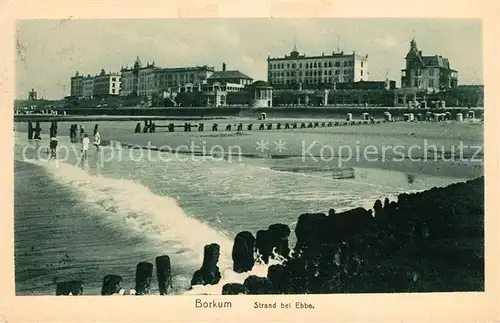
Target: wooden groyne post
{"type": "Point", "coordinates": [163, 273]}
{"type": "Point", "coordinates": [74, 287]}
{"type": "Point", "coordinates": [111, 285]}
{"type": "Point", "coordinates": [143, 276]}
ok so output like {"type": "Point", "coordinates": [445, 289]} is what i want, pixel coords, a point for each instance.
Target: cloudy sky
{"type": "Point", "coordinates": [51, 51]}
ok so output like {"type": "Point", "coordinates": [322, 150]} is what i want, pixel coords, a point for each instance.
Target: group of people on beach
{"type": "Point", "coordinates": [34, 133]}
{"type": "Point", "coordinates": [73, 130]}
{"type": "Point", "coordinates": [86, 141]}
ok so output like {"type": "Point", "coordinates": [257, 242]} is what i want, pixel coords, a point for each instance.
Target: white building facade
{"type": "Point", "coordinates": [296, 70]}
{"type": "Point", "coordinates": [106, 84]}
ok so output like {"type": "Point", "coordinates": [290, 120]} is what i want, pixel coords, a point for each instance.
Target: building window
{"type": "Point", "coordinates": [113, 91]}
{"type": "Point", "coordinates": [431, 83]}
{"type": "Point", "coordinates": [300, 65]}
{"type": "Point", "coordinates": [315, 65]}
{"type": "Point", "coordinates": [361, 67]}
{"type": "Point", "coordinates": [330, 64]}
{"type": "Point", "coordinates": [431, 72]}
{"type": "Point", "coordinates": [319, 64]}
{"type": "Point", "coordinates": [337, 64]}
{"type": "Point", "coordinates": [361, 72]}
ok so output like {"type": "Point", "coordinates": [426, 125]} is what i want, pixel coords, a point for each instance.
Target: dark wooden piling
{"type": "Point", "coordinates": [163, 273]}
{"type": "Point", "coordinates": [243, 252]}
{"type": "Point", "coordinates": [38, 130]}
{"type": "Point", "coordinates": [30, 130]}
{"type": "Point", "coordinates": [143, 276]}
{"type": "Point", "coordinates": [111, 285]}
{"type": "Point", "coordinates": [74, 287]}
{"type": "Point", "coordinates": [209, 272]}
{"type": "Point", "coordinates": [234, 289]}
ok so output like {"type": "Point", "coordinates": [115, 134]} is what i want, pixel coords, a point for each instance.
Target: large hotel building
{"type": "Point", "coordinates": [150, 79]}
{"type": "Point", "coordinates": [296, 70]}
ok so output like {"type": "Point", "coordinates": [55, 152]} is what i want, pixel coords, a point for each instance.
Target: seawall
{"type": "Point", "coordinates": [245, 112]}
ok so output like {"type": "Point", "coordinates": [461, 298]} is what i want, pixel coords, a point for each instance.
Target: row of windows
{"type": "Point", "coordinates": [310, 73]}
{"type": "Point", "coordinates": [313, 81]}
{"type": "Point", "coordinates": [418, 83]}
{"type": "Point", "coordinates": [311, 65]}
{"type": "Point", "coordinates": [418, 72]}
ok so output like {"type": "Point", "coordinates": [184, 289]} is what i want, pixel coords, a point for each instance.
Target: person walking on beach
{"type": "Point", "coordinates": [53, 146]}
{"type": "Point", "coordinates": [85, 146]}
{"type": "Point", "coordinates": [82, 131]}
{"type": "Point", "coordinates": [97, 140]}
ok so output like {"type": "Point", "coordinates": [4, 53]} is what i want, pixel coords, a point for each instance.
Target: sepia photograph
{"type": "Point", "coordinates": [248, 156]}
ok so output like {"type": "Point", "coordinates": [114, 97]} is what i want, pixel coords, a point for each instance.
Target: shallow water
{"type": "Point", "coordinates": [84, 220]}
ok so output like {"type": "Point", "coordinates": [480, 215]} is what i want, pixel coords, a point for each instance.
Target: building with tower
{"type": "Point", "coordinates": [138, 80]}
{"type": "Point", "coordinates": [151, 80]}
{"type": "Point", "coordinates": [428, 73]}
{"type": "Point", "coordinates": [313, 72]}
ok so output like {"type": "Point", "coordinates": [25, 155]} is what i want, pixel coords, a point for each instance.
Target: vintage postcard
{"type": "Point", "coordinates": [258, 167]}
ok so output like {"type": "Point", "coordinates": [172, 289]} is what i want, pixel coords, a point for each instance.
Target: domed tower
{"type": "Point", "coordinates": [294, 53]}
{"type": "Point", "coordinates": [413, 56]}
{"type": "Point", "coordinates": [137, 63]}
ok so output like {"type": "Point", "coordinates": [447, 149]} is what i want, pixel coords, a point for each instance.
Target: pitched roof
{"type": "Point", "coordinates": [260, 83]}
{"type": "Point", "coordinates": [436, 60]}
{"type": "Point", "coordinates": [219, 75]}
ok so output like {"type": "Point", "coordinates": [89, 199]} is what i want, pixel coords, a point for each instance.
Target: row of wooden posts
{"type": "Point", "coordinates": [150, 127]}
{"type": "Point", "coordinates": [111, 284]}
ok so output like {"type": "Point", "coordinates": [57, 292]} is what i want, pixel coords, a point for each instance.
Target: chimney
{"type": "Point", "coordinates": [223, 67]}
